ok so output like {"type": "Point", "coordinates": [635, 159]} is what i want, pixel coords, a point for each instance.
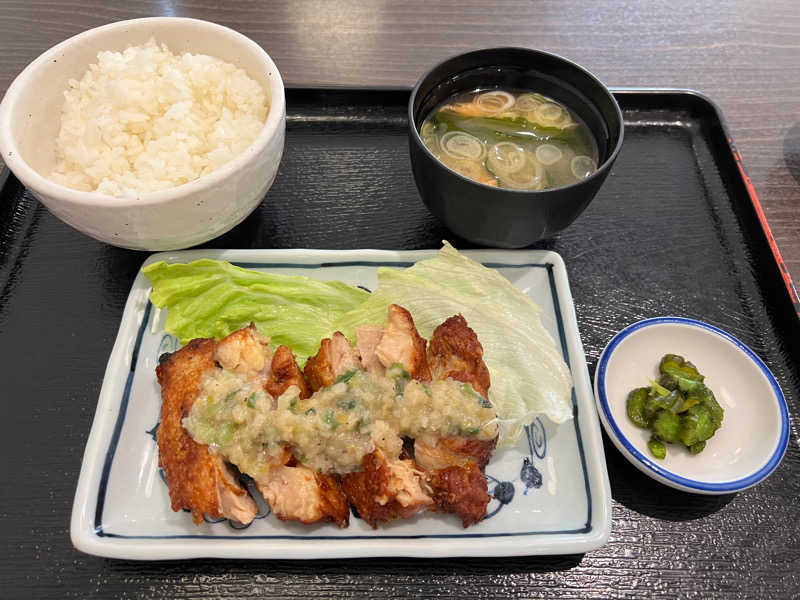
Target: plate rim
{"type": "Point", "coordinates": [658, 472]}
{"type": "Point", "coordinates": [85, 538]}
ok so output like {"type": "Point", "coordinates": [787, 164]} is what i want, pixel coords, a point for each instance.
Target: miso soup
{"type": "Point", "coordinates": [511, 139]}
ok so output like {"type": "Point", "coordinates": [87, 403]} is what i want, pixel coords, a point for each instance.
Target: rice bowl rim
{"type": "Point", "coordinates": [9, 149]}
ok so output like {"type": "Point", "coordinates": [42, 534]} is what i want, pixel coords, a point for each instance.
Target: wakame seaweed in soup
{"type": "Point", "coordinates": [511, 139]}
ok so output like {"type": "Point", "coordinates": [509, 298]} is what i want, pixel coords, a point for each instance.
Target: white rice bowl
{"type": "Point", "coordinates": [145, 119]}
{"type": "Point", "coordinates": [185, 213]}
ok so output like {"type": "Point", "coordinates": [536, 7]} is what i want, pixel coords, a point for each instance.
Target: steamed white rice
{"type": "Point", "coordinates": [145, 119]}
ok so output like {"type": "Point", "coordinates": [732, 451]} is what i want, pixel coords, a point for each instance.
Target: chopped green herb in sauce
{"type": "Point", "coordinates": [345, 377]}
{"type": "Point", "coordinates": [330, 419]}
{"type": "Point", "coordinates": [338, 425]}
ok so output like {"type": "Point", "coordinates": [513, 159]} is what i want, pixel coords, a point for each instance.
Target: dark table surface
{"type": "Point", "coordinates": [741, 53]}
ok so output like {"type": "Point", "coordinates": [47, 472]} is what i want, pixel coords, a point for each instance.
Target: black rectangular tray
{"type": "Point", "coordinates": [674, 231]}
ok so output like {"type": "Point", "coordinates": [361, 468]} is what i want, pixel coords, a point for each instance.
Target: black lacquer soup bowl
{"type": "Point", "coordinates": [503, 217]}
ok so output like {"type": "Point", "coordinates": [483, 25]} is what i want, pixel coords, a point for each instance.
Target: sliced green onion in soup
{"type": "Point", "coordinates": [530, 177]}
{"type": "Point", "coordinates": [582, 166]}
{"type": "Point", "coordinates": [529, 102]}
{"type": "Point", "coordinates": [549, 113]}
{"type": "Point", "coordinates": [458, 144]}
{"type": "Point", "coordinates": [428, 134]}
{"type": "Point", "coordinates": [566, 121]}
{"type": "Point", "coordinates": [506, 158]}
{"type": "Point", "coordinates": [494, 102]}
{"type": "Point", "coordinates": [548, 154]}
{"type": "Point", "coordinates": [432, 142]}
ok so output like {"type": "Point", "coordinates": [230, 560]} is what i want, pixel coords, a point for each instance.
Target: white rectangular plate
{"type": "Point", "coordinates": [550, 493]}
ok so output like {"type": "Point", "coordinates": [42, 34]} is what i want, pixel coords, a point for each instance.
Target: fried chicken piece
{"type": "Point", "coordinates": [296, 493]}
{"type": "Point", "coordinates": [455, 466]}
{"type": "Point", "coordinates": [246, 352]}
{"type": "Point", "coordinates": [235, 502]}
{"type": "Point", "coordinates": [455, 463]}
{"type": "Point", "coordinates": [367, 339]}
{"type": "Point", "coordinates": [461, 490]}
{"type": "Point", "coordinates": [335, 357]}
{"type": "Point", "coordinates": [447, 479]}
{"type": "Point", "coordinates": [284, 373]}
{"type": "Point", "coordinates": [455, 352]}
{"type": "Point", "coordinates": [402, 343]}
{"type": "Point", "coordinates": [433, 454]}
{"type": "Point", "coordinates": [197, 479]}
{"type": "Point", "coordinates": [200, 480]}
{"type": "Point", "coordinates": [387, 489]}
{"type": "Point", "coordinates": [457, 483]}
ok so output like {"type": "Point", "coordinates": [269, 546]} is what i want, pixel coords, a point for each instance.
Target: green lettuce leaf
{"type": "Point", "coordinates": [211, 298]}
{"type": "Point", "coordinates": [208, 298]}
{"type": "Point", "coordinates": [528, 374]}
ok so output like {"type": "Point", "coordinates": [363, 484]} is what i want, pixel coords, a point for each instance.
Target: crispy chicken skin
{"type": "Point", "coordinates": [455, 352]}
{"type": "Point", "coordinates": [479, 450]}
{"type": "Point", "coordinates": [455, 463]}
{"type": "Point", "coordinates": [453, 450]}
{"type": "Point", "coordinates": [461, 491]}
{"type": "Point", "coordinates": [197, 479]}
{"type": "Point", "coordinates": [402, 343]}
{"type": "Point", "coordinates": [335, 357]}
{"type": "Point", "coordinates": [455, 470]}
{"type": "Point", "coordinates": [284, 373]}
{"type": "Point", "coordinates": [387, 489]}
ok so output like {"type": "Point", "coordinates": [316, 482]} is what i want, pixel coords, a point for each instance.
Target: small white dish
{"type": "Point", "coordinates": [755, 429]}
{"type": "Point", "coordinates": [550, 492]}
